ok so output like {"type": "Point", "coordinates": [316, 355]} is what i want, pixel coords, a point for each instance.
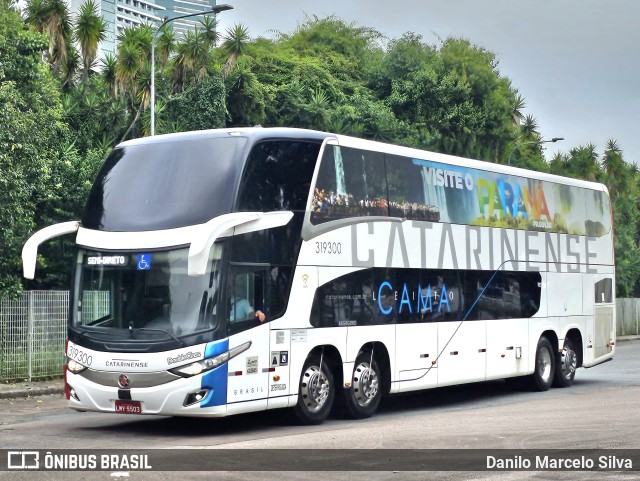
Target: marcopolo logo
{"type": "Point", "coordinates": [187, 356]}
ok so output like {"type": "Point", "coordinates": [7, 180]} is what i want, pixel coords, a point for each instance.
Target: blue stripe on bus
{"type": "Point", "coordinates": [216, 379]}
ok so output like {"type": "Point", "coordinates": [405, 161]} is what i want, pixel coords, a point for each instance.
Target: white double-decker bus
{"type": "Point", "coordinates": [227, 271]}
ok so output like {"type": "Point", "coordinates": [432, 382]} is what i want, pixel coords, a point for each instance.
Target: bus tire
{"type": "Point", "coordinates": [566, 364]}
{"type": "Point", "coordinates": [316, 392]}
{"type": "Point", "coordinates": [362, 399]}
{"type": "Point", "coordinates": [544, 369]}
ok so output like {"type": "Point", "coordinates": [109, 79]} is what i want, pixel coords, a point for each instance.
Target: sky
{"type": "Point", "coordinates": [575, 62]}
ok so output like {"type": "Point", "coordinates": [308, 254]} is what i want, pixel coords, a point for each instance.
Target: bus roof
{"type": "Point", "coordinates": [252, 133]}
{"type": "Point", "coordinates": [256, 134]}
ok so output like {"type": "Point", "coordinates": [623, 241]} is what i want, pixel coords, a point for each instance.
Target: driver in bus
{"type": "Point", "coordinates": [241, 308]}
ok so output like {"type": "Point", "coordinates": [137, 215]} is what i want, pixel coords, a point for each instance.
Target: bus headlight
{"type": "Point", "coordinates": [74, 366]}
{"type": "Point", "coordinates": [198, 367]}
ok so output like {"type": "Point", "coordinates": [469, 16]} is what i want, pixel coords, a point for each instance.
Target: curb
{"type": "Point", "coordinates": [627, 338]}
{"type": "Point", "coordinates": [31, 392]}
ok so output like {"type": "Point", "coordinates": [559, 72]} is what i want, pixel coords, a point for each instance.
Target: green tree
{"type": "Point", "coordinates": [109, 74]}
{"type": "Point", "coordinates": [210, 34]}
{"type": "Point", "coordinates": [37, 14]}
{"type": "Point", "coordinates": [30, 133]}
{"type": "Point", "coordinates": [191, 60]}
{"type": "Point", "coordinates": [165, 45]}
{"type": "Point", "coordinates": [619, 177]}
{"type": "Point", "coordinates": [245, 96]}
{"type": "Point", "coordinates": [518, 106]}
{"type": "Point", "coordinates": [90, 30]}
{"type": "Point", "coordinates": [52, 17]}
{"type": "Point", "coordinates": [234, 45]}
{"type": "Point", "coordinates": [133, 70]}
{"type": "Point", "coordinates": [201, 106]}
{"type": "Point", "coordinates": [622, 181]}
{"type": "Point", "coordinates": [529, 128]}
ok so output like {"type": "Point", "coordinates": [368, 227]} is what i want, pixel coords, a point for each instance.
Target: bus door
{"type": "Point", "coordinates": [511, 300]}
{"type": "Point", "coordinates": [462, 333]}
{"type": "Point", "coordinates": [248, 373]}
{"type": "Point", "coordinates": [601, 335]}
{"type": "Point", "coordinates": [416, 352]}
{"type": "Point", "coordinates": [428, 299]}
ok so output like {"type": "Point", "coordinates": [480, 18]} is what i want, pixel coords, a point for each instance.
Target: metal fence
{"type": "Point", "coordinates": [628, 317]}
{"type": "Point", "coordinates": [32, 335]}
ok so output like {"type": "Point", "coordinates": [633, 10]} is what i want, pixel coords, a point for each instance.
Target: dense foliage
{"type": "Point", "coordinates": [61, 115]}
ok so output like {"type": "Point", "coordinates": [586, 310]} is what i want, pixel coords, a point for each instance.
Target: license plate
{"type": "Point", "coordinates": [128, 407]}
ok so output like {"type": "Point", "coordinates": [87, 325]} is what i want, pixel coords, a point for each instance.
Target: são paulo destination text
{"type": "Point", "coordinates": [609, 462]}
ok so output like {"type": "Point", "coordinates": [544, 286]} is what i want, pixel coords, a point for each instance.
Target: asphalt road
{"type": "Point", "coordinates": [600, 411]}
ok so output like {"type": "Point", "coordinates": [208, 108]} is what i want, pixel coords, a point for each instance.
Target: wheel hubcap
{"type": "Point", "coordinates": [544, 365]}
{"type": "Point", "coordinates": [314, 388]}
{"type": "Point", "coordinates": [569, 363]}
{"type": "Point", "coordinates": [365, 384]}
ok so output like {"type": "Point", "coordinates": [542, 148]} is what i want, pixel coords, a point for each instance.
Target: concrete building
{"type": "Point", "coordinates": [127, 13]}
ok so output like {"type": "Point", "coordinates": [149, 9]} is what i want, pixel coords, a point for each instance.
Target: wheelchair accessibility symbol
{"type": "Point", "coordinates": [144, 262]}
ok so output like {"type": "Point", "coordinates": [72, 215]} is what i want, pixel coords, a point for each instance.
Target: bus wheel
{"type": "Point", "coordinates": [363, 397]}
{"type": "Point", "coordinates": [566, 365]}
{"type": "Point", "coordinates": [544, 369]}
{"type": "Point", "coordinates": [316, 392]}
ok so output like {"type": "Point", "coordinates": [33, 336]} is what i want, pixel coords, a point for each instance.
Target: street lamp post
{"type": "Point", "coordinates": [554, 139]}
{"type": "Point", "coordinates": [215, 9]}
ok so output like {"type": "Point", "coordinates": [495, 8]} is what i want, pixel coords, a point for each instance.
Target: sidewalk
{"type": "Point", "coordinates": [14, 390]}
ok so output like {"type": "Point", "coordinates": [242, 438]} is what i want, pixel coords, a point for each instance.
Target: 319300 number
{"type": "Point", "coordinates": [328, 248]}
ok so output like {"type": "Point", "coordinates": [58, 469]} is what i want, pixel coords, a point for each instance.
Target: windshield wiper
{"type": "Point", "coordinates": [177, 339]}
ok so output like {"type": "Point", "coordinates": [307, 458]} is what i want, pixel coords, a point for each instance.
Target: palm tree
{"type": "Point", "coordinates": [234, 45]}
{"type": "Point", "coordinates": [128, 64]}
{"type": "Point", "coordinates": [618, 175]}
{"type": "Point", "coordinates": [70, 68]}
{"type": "Point", "coordinates": [109, 68]}
{"type": "Point", "coordinates": [59, 31]}
{"type": "Point", "coordinates": [140, 36]}
{"type": "Point", "coordinates": [165, 45]}
{"type": "Point", "coordinates": [318, 109]}
{"type": "Point", "coordinates": [210, 30]}
{"type": "Point", "coordinates": [144, 85]}
{"type": "Point", "coordinates": [245, 96]}
{"type": "Point", "coordinates": [159, 123]}
{"type": "Point", "coordinates": [196, 53]}
{"type": "Point", "coordinates": [584, 163]}
{"type": "Point", "coordinates": [530, 127]}
{"type": "Point", "coordinates": [518, 106]}
{"type": "Point", "coordinates": [69, 104]}
{"type": "Point", "coordinates": [558, 164]}
{"type": "Point", "coordinates": [133, 69]}
{"type": "Point", "coordinates": [89, 32]}
{"type": "Point", "coordinates": [92, 102]}
{"type": "Point", "coordinates": [36, 14]}
{"type": "Point", "coordinates": [143, 94]}
{"type": "Point", "coordinates": [192, 58]}
{"type": "Point", "coordinates": [51, 17]}
{"type": "Point", "coordinates": [133, 52]}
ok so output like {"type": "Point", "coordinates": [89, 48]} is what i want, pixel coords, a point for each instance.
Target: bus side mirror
{"type": "Point", "coordinates": [30, 249]}
{"type": "Point", "coordinates": [226, 225]}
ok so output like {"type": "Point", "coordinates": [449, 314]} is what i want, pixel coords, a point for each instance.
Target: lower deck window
{"type": "Point", "coordinates": [389, 296]}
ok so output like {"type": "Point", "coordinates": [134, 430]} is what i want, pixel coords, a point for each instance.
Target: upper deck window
{"type": "Point", "coordinates": [359, 183]}
{"type": "Point", "coordinates": [351, 183]}
{"type": "Point", "coordinates": [278, 176]}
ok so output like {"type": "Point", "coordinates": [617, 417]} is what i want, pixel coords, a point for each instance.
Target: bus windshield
{"type": "Point", "coordinates": [146, 296]}
{"type": "Point", "coordinates": [165, 184]}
